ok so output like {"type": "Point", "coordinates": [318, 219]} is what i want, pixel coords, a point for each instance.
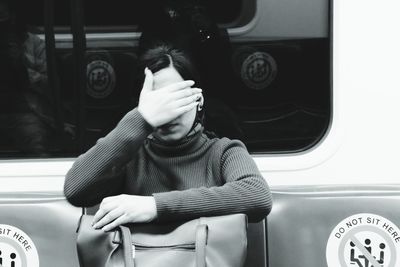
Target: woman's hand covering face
{"type": "Point", "coordinates": [161, 106]}
{"type": "Point", "coordinates": [122, 209]}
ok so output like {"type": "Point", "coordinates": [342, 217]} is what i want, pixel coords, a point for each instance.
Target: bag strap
{"type": "Point", "coordinates": [201, 242]}
{"type": "Point", "coordinates": [127, 246]}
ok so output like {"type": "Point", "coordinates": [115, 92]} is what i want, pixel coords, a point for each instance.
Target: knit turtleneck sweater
{"type": "Point", "coordinates": [193, 178]}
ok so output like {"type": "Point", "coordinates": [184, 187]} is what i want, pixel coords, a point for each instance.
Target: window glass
{"type": "Point", "coordinates": [119, 14]}
{"type": "Point", "coordinates": [274, 94]}
{"type": "Point", "coordinates": [283, 93]}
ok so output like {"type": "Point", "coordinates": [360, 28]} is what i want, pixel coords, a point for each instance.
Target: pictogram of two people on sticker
{"type": "Point", "coordinates": [7, 260]}
{"type": "Point", "coordinates": [360, 260]}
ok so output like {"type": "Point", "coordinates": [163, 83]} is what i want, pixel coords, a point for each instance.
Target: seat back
{"type": "Point", "coordinates": [37, 230]}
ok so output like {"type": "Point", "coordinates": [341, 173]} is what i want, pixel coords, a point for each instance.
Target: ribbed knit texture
{"type": "Point", "coordinates": [197, 177]}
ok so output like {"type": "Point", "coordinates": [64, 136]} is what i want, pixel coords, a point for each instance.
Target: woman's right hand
{"type": "Point", "coordinates": [163, 105]}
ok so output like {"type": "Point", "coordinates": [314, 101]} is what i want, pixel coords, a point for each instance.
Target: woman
{"type": "Point", "coordinates": [157, 164]}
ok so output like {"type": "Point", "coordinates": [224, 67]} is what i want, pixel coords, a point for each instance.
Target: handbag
{"type": "Point", "coordinates": [219, 241]}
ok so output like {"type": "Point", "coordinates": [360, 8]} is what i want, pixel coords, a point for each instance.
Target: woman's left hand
{"type": "Point", "coordinates": [121, 209]}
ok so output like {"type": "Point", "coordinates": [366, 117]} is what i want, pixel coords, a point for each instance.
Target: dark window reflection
{"type": "Point", "coordinates": [274, 95]}
{"type": "Point", "coordinates": [123, 12]}
{"type": "Point", "coordinates": [27, 126]}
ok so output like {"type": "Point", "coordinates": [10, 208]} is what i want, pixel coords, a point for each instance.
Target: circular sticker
{"type": "Point", "coordinates": [16, 248]}
{"type": "Point", "coordinates": [100, 79]}
{"type": "Point", "coordinates": [258, 70]}
{"type": "Point", "coordinates": [364, 240]}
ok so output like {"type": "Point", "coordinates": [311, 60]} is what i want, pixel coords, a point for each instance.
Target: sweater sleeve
{"type": "Point", "coordinates": [100, 172]}
{"type": "Point", "coordinates": [244, 191]}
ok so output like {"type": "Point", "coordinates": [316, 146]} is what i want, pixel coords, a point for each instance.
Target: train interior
{"type": "Point", "coordinates": [69, 73]}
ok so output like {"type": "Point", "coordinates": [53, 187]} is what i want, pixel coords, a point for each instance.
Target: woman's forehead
{"type": "Point", "coordinates": [166, 77]}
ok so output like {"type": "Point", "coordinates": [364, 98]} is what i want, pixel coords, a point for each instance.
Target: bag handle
{"type": "Point", "coordinates": [201, 242]}
{"type": "Point", "coordinates": [127, 245]}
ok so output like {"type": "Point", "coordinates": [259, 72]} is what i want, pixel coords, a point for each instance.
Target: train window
{"type": "Point", "coordinates": [270, 88]}
{"type": "Point", "coordinates": [122, 15]}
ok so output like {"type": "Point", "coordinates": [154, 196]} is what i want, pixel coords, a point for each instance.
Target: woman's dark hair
{"type": "Point", "coordinates": [163, 56]}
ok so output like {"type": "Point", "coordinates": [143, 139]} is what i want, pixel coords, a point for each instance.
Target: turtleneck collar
{"type": "Point", "coordinates": [187, 145]}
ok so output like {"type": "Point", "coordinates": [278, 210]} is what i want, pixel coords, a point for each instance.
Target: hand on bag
{"type": "Point", "coordinates": [158, 107]}
{"type": "Point", "coordinates": [121, 209]}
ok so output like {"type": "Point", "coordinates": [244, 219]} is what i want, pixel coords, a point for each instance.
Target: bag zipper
{"type": "Point", "coordinates": [141, 247]}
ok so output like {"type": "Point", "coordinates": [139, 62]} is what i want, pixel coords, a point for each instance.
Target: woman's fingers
{"type": "Point", "coordinates": [185, 93]}
{"type": "Point", "coordinates": [186, 108]}
{"type": "Point", "coordinates": [108, 218]}
{"type": "Point", "coordinates": [123, 209]}
{"type": "Point", "coordinates": [187, 100]}
{"type": "Point", "coordinates": [178, 86]}
{"type": "Point", "coordinates": [159, 106]}
{"type": "Point", "coordinates": [184, 97]}
{"type": "Point", "coordinates": [99, 214]}
{"type": "Point", "coordinates": [106, 206]}
{"type": "Point", "coordinates": [120, 220]}
{"type": "Point", "coordinates": [148, 80]}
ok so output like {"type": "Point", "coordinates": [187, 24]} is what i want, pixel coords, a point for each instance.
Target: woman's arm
{"type": "Point", "coordinates": [244, 191]}
{"type": "Point", "coordinates": [100, 171]}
